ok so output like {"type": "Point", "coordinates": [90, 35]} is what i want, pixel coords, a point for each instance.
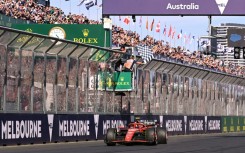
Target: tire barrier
{"type": "Point", "coordinates": [51, 128]}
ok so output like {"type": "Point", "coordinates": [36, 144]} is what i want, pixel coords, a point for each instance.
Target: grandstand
{"type": "Point", "coordinates": [41, 81]}
{"type": "Point", "coordinates": [161, 50]}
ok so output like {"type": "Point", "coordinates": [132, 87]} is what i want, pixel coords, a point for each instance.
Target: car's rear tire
{"type": "Point", "coordinates": [111, 136]}
{"type": "Point", "coordinates": [161, 136]}
{"type": "Point", "coordinates": [150, 136]}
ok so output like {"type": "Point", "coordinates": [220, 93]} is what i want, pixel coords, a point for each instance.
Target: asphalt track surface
{"type": "Point", "coordinates": [215, 143]}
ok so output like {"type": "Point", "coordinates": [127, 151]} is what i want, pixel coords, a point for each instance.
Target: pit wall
{"type": "Point", "coordinates": [16, 129]}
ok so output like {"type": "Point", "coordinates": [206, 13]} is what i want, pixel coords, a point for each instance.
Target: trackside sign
{"type": "Point", "coordinates": [174, 7]}
{"type": "Point", "coordinates": [39, 128]}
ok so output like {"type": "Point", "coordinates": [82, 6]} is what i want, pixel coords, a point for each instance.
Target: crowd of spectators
{"type": "Point", "coordinates": [38, 13]}
{"type": "Point", "coordinates": [163, 50]}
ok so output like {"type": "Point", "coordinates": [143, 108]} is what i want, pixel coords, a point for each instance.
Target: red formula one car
{"type": "Point", "coordinates": [137, 132]}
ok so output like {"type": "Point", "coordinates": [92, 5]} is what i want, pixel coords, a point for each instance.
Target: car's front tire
{"type": "Point", "coordinates": [150, 136]}
{"type": "Point", "coordinates": [111, 136]}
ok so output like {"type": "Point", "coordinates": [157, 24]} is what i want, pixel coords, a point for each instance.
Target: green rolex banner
{"type": "Point", "coordinates": [93, 34]}
{"type": "Point", "coordinates": [122, 81]}
{"type": "Point", "coordinates": [118, 81]}
{"type": "Point", "coordinates": [104, 80]}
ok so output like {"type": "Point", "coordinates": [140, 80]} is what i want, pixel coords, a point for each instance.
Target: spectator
{"type": "Point", "coordinates": [129, 64]}
{"type": "Point", "coordinates": [119, 64]}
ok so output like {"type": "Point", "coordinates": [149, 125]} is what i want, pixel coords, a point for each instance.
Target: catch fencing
{"type": "Point", "coordinates": [40, 74]}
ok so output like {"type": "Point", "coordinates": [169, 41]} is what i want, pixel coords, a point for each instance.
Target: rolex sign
{"type": "Point", "coordinates": [81, 33]}
{"type": "Point", "coordinates": [118, 81]}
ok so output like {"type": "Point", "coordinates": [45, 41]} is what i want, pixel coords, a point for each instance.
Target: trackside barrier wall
{"type": "Point", "coordinates": [175, 125]}
{"type": "Point", "coordinates": [50, 128]}
{"type": "Point", "coordinates": [233, 123]}
{"type": "Point", "coordinates": [195, 125]}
